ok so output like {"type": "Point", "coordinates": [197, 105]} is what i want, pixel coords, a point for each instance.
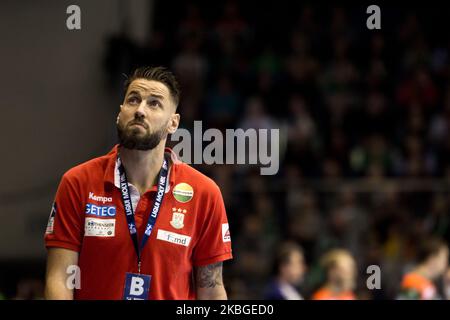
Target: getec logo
{"type": "Point", "coordinates": [100, 211]}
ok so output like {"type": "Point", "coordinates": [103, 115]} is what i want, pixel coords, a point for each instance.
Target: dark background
{"type": "Point", "coordinates": [365, 115]}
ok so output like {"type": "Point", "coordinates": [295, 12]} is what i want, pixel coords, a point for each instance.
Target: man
{"type": "Point", "coordinates": [432, 263]}
{"type": "Point", "coordinates": [289, 268]}
{"type": "Point", "coordinates": [340, 270]}
{"type": "Point", "coordinates": [137, 222]}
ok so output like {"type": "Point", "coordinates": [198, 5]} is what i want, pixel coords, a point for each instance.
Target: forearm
{"type": "Point", "coordinates": [217, 293]}
{"type": "Point", "coordinates": [56, 289]}
{"type": "Point", "coordinates": [209, 282]}
{"type": "Point", "coordinates": [57, 283]}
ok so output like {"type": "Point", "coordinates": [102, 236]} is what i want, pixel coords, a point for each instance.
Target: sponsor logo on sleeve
{"type": "Point", "coordinates": [226, 233]}
{"type": "Point", "coordinates": [173, 237]}
{"type": "Point", "coordinates": [51, 219]}
{"type": "Point", "coordinates": [94, 227]}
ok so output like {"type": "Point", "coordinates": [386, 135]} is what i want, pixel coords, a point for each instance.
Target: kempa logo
{"type": "Point", "coordinates": [92, 196]}
{"type": "Point", "coordinates": [263, 147]}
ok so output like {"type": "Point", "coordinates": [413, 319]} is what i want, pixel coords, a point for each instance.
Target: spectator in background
{"type": "Point", "coordinates": [191, 67]}
{"type": "Point", "coordinates": [371, 158]}
{"type": "Point", "coordinates": [302, 127]}
{"type": "Point", "coordinates": [231, 27]}
{"type": "Point", "coordinates": [223, 103]}
{"type": "Point", "coordinates": [446, 284]}
{"type": "Point", "coordinates": [306, 223]}
{"type": "Point", "coordinates": [192, 23]}
{"type": "Point", "coordinates": [301, 66]}
{"type": "Point", "coordinates": [256, 116]}
{"type": "Point", "coordinates": [348, 222]}
{"type": "Point", "coordinates": [340, 282]}
{"type": "Point", "coordinates": [304, 136]}
{"type": "Point", "coordinates": [437, 221]}
{"type": "Point", "coordinates": [433, 262]}
{"type": "Point", "coordinates": [288, 270]}
{"type": "Point", "coordinates": [30, 289]}
{"type": "Point", "coordinates": [417, 88]}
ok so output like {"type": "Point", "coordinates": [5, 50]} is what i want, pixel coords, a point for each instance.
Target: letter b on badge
{"type": "Point", "coordinates": [136, 286]}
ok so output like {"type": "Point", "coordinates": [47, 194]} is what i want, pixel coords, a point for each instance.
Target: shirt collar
{"type": "Point", "coordinates": [112, 175]}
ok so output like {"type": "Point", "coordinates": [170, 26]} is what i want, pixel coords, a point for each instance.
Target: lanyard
{"type": "Point", "coordinates": [162, 183]}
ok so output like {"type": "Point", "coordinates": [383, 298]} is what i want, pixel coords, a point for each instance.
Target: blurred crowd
{"type": "Point", "coordinates": [364, 116]}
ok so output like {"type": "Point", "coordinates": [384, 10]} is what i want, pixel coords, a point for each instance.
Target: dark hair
{"type": "Point", "coordinates": [160, 74]}
{"type": "Point", "coordinates": [283, 255]}
{"type": "Point", "coordinates": [429, 247]}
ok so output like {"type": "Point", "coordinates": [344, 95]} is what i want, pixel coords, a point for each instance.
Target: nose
{"type": "Point", "coordinates": [140, 111]}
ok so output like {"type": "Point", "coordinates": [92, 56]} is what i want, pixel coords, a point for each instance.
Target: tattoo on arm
{"type": "Point", "coordinates": [209, 276]}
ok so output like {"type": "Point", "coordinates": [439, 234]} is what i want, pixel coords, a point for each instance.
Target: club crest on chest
{"type": "Point", "coordinates": [177, 218]}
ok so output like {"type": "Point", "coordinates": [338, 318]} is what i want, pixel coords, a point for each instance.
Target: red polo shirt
{"type": "Point", "coordinates": [88, 217]}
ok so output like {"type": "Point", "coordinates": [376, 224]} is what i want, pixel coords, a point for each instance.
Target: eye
{"type": "Point", "coordinates": [154, 103]}
{"type": "Point", "coordinates": [133, 100]}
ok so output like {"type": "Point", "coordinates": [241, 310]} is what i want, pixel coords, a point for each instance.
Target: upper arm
{"type": "Point", "coordinates": [58, 262]}
{"type": "Point", "coordinates": [66, 223]}
{"type": "Point", "coordinates": [214, 241]}
{"type": "Point", "coordinates": [209, 282]}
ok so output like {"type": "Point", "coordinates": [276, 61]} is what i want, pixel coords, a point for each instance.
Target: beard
{"type": "Point", "coordinates": [132, 138]}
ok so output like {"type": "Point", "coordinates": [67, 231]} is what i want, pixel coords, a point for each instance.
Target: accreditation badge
{"type": "Point", "coordinates": [137, 286]}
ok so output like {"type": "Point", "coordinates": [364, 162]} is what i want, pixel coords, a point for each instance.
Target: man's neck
{"type": "Point", "coordinates": [142, 166]}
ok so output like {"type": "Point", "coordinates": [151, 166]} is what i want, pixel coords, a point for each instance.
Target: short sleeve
{"type": "Point", "coordinates": [65, 224]}
{"type": "Point", "coordinates": [214, 244]}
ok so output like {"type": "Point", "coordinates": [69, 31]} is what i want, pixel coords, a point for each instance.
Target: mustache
{"type": "Point", "coordinates": [137, 121]}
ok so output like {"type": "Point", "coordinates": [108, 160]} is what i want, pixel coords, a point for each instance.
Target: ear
{"type": "Point", "coordinates": [174, 121]}
{"type": "Point", "coordinates": [118, 116]}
